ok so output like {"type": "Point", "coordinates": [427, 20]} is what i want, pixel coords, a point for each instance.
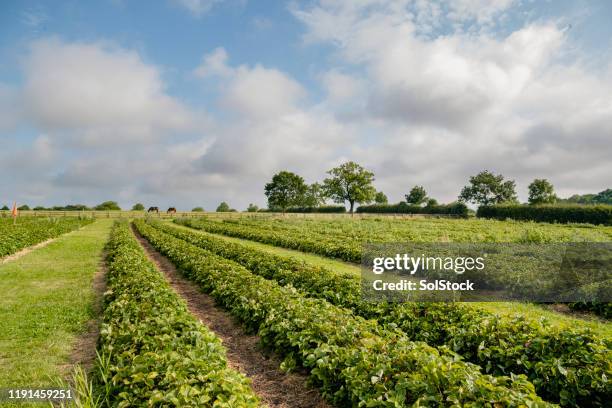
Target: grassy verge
{"type": "Point", "coordinates": [531, 311]}
{"type": "Point", "coordinates": [46, 298]}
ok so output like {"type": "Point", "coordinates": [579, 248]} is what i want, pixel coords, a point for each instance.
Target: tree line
{"type": "Point", "coordinates": [353, 184]}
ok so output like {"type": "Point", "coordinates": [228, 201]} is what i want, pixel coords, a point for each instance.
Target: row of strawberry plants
{"type": "Point", "coordinates": [566, 366]}
{"type": "Point", "coordinates": [26, 232]}
{"type": "Point", "coordinates": [315, 243]}
{"type": "Point", "coordinates": [352, 360]}
{"type": "Point", "coordinates": [154, 352]}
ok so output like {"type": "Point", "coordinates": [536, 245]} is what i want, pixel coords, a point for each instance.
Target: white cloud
{"type": "Point", "coordinates": [444, 106]}
{"type": "Point", "coordinates": [197, 7]}
{"type": "Point", "coordinates": [103, 93]}
{"type": "Point", "coordinates": [214, 64]}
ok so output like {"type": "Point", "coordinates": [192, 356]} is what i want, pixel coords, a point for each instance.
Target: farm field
{"type": "Point", "coordinates": [304, 309]}
{"type": "Point", "coordinates": [46, 300]}
{"type": "Point", "coordinates": [463, 327]}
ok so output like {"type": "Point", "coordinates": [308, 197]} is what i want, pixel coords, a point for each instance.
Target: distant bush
{"type": "Point", "coordinates": [197, 209]}
{"type": "Point", "coordinates": [108, 206]}
{"type": "Point", "coordinates": [596, 214]}
{"type": "Point", "coordinates": [459, 209]}
{"type": "Point", "coordinates": [321, 209]}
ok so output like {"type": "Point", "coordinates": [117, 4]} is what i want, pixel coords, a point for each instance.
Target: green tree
{"type": "Point", "coordinates": [603, 197]}
{"type": "Point", "coordinates": [416, 196]}
{"type": "Point", "coordinates": [39, 208]}
{"type": "Point", "coordinates": [108, 206]}
{"type": "Point", "coordinates": [487, 188]}
{"type": "Point", "coordinates": [24, 207]}
{"type": "Point", "coordinates": [4, 208]}
{"type": "Point", "coordinates": [286, 190]}
{"type": "Point", "coordinates": [314, 196]}
{"type": "Point", "coordinates": [350, 182]}
{"type": "Point", "coordinates": [541, 191]}
{"type": "Point", "coordinates": [138, 207]}
{"type": "Point", "coordinates": [252, 208]}
{"type": "Point", "coordinates": [431, 202]}
{"type": "Point", "coordinates": [197, 209]}
{"type": "Point", "coordinates": [381, 198]}
{"type": "Point", "coordinates": [223, 207]}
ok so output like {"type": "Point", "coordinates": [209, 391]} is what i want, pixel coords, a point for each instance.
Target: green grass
{"type": "Point", "coordinates": [531, 311]}
{"type": "Point", "coordinates": [46, 298]}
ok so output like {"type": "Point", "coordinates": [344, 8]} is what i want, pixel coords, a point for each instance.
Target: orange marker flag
{"type": "Point", "coordinates": [15, 212]}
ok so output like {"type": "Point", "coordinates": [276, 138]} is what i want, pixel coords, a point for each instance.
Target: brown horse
{"type": "Point", "coordinates": [171, 210]}
{"type": "Point", "coordinates": [153, 209]}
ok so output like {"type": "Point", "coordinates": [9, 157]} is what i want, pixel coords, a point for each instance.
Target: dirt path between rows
{"type": "Point", "coordinates": [274, 387]}
{"type": "Point", "coordinates": [26, 251]}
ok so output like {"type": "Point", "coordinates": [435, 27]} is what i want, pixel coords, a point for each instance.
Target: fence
{"type": "Point", "coordinates": [142, 214]}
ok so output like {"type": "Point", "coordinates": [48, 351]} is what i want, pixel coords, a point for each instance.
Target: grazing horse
{"type": "Point", "coordinates": [153, 209]}
{"type": "Point", "coordinates": [171, 210]}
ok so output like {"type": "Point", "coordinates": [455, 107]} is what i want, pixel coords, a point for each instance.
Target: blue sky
{"type": "Point", "coordinates": [190, 102]}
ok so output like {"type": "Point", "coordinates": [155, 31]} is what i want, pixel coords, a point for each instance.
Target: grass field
{"type": "Point", "coordinates": [46, 298]}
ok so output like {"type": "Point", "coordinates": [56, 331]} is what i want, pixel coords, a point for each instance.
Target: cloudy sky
{"type": "Point", "coordinates": [190, 102]}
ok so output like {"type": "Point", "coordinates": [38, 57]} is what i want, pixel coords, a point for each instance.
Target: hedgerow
{"type": "Point", "coordinates": [28, 231]}
{"type": "Point", "coordinates": [321, 209]}
{"type": "Point", "coordinates": [591, 214]}
{"type": "Point", "coordinates": [354, 361]}
{"type": "Point", "coordinates": [154, 352]}
{"type": "Point", "coordinates": [566, 366]}
{"type": "Point", "coordinates": [457, 209]}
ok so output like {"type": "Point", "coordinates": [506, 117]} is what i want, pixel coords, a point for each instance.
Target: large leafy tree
{"type": "Point", "coordinates": [314, 196]}
{"type": "Point", "coordinates": [541, 191]}
{"type": "Point", "coordinates": [487, 188]}
{"type": "Point", "coordinates": [138, 207]}
{"type": "Point", "coordinates": [350, 182]}
{"type": "Point", "coordinates": [416, 196]}
{"type": "Point", "coordinates": [381, 198]}
{"type": "Point", "coordinates": [286, 190]}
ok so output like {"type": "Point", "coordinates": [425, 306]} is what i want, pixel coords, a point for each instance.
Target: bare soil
{"type": "Point", "coordinates": [275, 387]}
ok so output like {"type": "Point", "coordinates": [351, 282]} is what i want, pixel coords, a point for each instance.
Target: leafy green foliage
{"type": "Point", "coordinates": [154, 352]}
{"type": "Point", "coordinates": [603, 197]}
{"type": "Point", "coordinates": [252, 208]}
{"type": "Point", "coordinates": [350, 182]}
{"type": "Point", "coordinates": [458, 209]}
{"type": "Point", "coordinates": [286, 190]}
{"type": "Point", "coordinates": [597, 214]}
{"type": "Point", "coordinates": [416, 196]}
{"type": "Point", "coordinates": [138, 207]}
{"type": "Point", "coordinates": [541, 192]}
{"type": "Point", "coordinates": [487, 188]}
{"type": "Point", "coordinates": [314, 196]}
{"type": "Point", "coordinates": [223, 207]}
{"type": "Point", "coordinates": [28, 231]}
{"type": "Point", "coordinates": [355, 362]}
{"type": "Point", "coordinates": [197, 209]}
{"type": "Point", "coordinates": [320, 209]}
{"type": "Point", "coordinates": [569, 366]}
{"type": "Point", "coordinates": [108, 206]}
{"type": "Point", "coordinates": [381, 198]}
{"type": "Point", "coordinates": [24, 207]}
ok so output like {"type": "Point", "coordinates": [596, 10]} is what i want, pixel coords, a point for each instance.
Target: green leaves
{"type": "Point", "coordinates": [28, 231]}
{"type": "Point", "coordinates": [500, 345]}
{"type": "Point", "coordinates": [157, 353]}
{"type": "Point", "coordinates": [342, 352]}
